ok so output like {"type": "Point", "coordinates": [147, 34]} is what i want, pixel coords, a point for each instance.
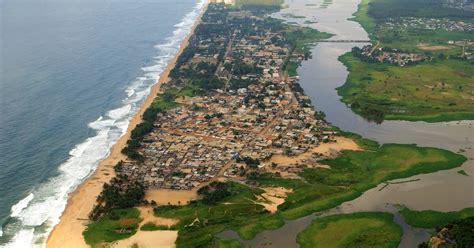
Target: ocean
{"type": "Point", "coordinates": [72, 74]}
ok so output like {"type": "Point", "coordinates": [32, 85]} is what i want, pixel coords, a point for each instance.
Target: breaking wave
{"type": "Point", "coordinates": [33, 218]}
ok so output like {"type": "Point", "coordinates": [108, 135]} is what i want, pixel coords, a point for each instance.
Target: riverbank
{"type": "Point", "coordinates": [435, 89]}
{"type": "Point", "coordinates": [68, 232]}
{"type": "Point", "coordinates": [373, 90]}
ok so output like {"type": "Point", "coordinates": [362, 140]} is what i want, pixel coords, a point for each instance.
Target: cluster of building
{"type": "Point", "coordinates": [372, 53]}
{"type": "Point", "coordinates": [232, 130]}
{"type": "Point", "coordinates": [429, 24]}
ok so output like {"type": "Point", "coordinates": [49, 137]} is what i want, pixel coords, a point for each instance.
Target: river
{"type": "Point", "coordinates": [320, 76]}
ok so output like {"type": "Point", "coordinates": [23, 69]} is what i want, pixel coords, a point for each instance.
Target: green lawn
{"type": "Point", "coordinates": [432, 219]}
{"type": "Point", "coordinates": [433, 91]}
{"type": "Point", "coordinates": [352, 230]}
{"type": "Point", "coordinates": [117, 224]}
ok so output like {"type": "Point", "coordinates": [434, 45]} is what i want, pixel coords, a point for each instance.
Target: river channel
{"type": "Point", "coordinates": [320, 76]}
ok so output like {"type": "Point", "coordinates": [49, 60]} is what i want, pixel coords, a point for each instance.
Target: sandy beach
{"type": "Point", "coordinates": [68, 232]}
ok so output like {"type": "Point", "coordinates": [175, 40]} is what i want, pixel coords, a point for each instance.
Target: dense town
{"type": "Point", "coordinates": [251, 109]}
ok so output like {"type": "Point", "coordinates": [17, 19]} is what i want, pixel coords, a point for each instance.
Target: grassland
{"type": "Point", "coordinates": [150, 226]}
{"type": "Point", "coordinates": [352, 230]}
{"type": "Point", "coordinates": [432, 219]}
{"type": "Point", "coordinates": [354, 172]}
{"type": "Point", "coordinates": [435, 91]}
{"type": "Point", "coordinates": [200, 222]}
{"type": "Point", "coordinates": [440, 90]}
{"type": "Point", "coordinates": [117, 224]}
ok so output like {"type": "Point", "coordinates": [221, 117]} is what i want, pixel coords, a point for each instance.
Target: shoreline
{"type": "Point", "coordinates": [68, 232]}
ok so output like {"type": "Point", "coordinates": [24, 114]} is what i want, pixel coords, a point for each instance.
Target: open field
{"type": "Point", "coordinates": [432, 219]}
{"type": "Point", "coordinates": [352, 230]}
{"type": "Point", "coordinates": [435, 91]}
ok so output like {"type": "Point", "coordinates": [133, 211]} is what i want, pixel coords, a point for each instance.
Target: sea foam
{"type": "Point", "coordinates": [35, 216]}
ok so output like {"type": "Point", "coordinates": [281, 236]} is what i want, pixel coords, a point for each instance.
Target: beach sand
{"type": "Point", "coordinates": [68, 232]}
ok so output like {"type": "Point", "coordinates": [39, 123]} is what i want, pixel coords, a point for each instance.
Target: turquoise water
{"type": "Point", "coordinates": [72, 73]}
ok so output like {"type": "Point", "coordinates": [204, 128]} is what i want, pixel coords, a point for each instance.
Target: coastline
{"type": "Point", "coordinates": [68, 232]}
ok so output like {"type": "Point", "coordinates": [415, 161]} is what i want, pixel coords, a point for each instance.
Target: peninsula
{"type": "Point", "coordinates": [228, 140]}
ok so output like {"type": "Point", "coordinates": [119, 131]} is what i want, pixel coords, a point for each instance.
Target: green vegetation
{"type": "Point", "coordinates": [352, 173]}
{"type": "Point", "coordinates": [276, 3]}
{"type": "Point", "coordinates": [462, 172]}
{"type": "Point", "coordinates": [432, 219]}
{"type": "Point", "coordinates": [200, 222]}
{"type": "Point", "coordinates": [118, 194]}
{"type": "Point", "coordinates": [294, 16]}
{"type": "Point", "coordinates": [227, 243]}
{"type": "Point", "coordinates": [436, 91]}
{"type": "Point", "coordinates": [302, 40]}
{"type": "Point", "coordinates": [457, 234]}
{"type": "Point", "coordinates": [361, 17]}
{"type": "Point", "coordinates": [352, 230]}
{"type": "Point", "coordinates": [150, 226]}
{"type": "Point", "coordinates": [381, 9]}
{"type": "Point", "coordinates": [117, 224]}
{"type": "Point", "coordinates": [358, 171]}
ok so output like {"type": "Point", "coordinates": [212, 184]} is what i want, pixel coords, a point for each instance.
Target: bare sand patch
{"type": "Point", "coordinates": [146, 239]}
{"type": "Point", "coordinates": [173, 197]}
{"type": "Point", "coordinates": [146, 213]}
{"type": "Point", "coordinates": [272, 198]}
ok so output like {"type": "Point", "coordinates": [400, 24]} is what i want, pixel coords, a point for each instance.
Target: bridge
{"type": "Point", "coordinates": [345, 41]}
